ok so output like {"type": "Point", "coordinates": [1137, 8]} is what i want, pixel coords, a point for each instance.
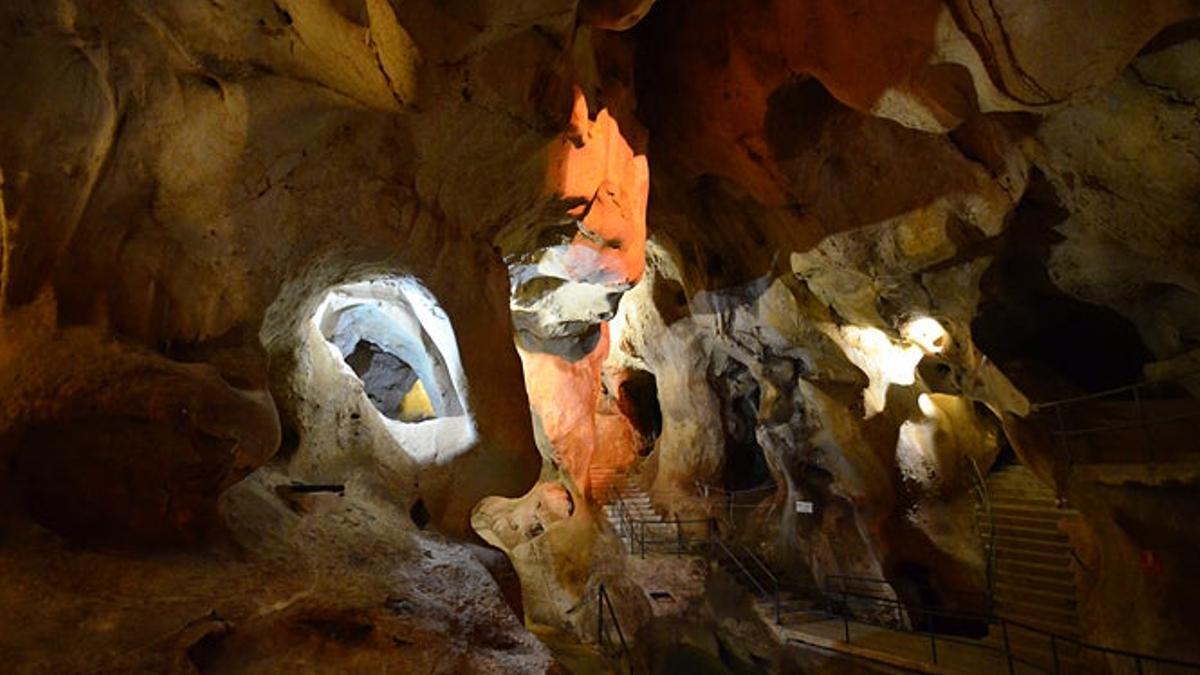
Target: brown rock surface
{"type": "Point", "coordinates": [834, 250]}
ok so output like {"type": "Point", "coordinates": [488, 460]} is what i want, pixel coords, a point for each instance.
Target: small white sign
{"type": "Point", "coordinates": [803, 506]}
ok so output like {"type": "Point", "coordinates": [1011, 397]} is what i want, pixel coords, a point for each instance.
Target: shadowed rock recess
{"type": "Point", "coordinates": [588, 336]}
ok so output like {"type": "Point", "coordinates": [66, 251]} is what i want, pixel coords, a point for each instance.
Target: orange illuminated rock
{"type": "Point", "coordinates": [596, 167]}
{"type": "Point", "coordinates": [606, 185]}
{"type": "Point", "coordinates": [569, 403]}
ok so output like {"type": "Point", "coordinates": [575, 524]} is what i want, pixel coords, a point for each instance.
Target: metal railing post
{"type": "Point", "coordinates": [933, 646]}
{"type": "Point", "coordinates": [678, 538]}
{"type": "Point", "coordinates": [602, 600]}
{"type": "Point", "coordinates": [1147, 448]}
{"type": "Point", "coordinates": [1063, 438]}
{"type": "Point", "coordinates": [712, 538]}
{"type": "Point", "coordinates": [600, 622]}
{"type": "Point", "coordinates": [1007, 646]}
{"type": "Point", "coordinates": [846, 615]}
{"type": "Point", "coordinates": [1054, 651]}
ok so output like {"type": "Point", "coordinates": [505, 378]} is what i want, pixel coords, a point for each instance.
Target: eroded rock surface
{"type": "Point", "coordinates": [836, 251]}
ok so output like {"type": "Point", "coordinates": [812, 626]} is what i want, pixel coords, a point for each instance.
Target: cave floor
{"type": "Point", "coordinates": [573, 656]}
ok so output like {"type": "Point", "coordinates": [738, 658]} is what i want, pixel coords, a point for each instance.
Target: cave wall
{"type": "Point", "coordinates": [751, 203]}
{"type": "Point", "coordinates": [182, 185]}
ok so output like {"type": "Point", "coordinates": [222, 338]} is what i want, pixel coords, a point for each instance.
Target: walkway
{"type": "Point", "coordinates": [908, 651]}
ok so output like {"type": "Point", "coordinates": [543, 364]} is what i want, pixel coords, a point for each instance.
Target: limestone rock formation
{"type": "Point", "coordinates": [302, 302]}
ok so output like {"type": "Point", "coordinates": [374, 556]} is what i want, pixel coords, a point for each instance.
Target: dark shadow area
{"type": "Point", "coordinates": [745, 464]}
{"type": "Point", "coordinates": [1049, 343]}
{"type": "Point", "coordinates": [419, 514]}
{"type": "Point", "coordinates": [638, 400]}
{"type": "Point", "coordinates": [927, 608]}
{"type": "Point", "coordinates": [387, 379]}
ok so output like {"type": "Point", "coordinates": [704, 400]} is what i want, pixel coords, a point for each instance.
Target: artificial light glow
{"type": "Point", "coordinates": [926, 405]}
{"type": "Point", "coordinates": [916, 455]}
{"type": "Point", "coordinates": [885, 362]}
{"type": "Point", "coordinates": [434, 423]}
{"type": "Point", "coordinates": [927, 333]}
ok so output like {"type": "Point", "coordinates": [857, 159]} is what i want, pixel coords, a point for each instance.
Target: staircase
{"type": "Point", "coordinates": [1033, 574]}
{"type": "Point", "coordinates": [613, 490]}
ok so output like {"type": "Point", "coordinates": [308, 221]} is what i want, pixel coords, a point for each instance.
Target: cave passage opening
{"type": "Point", "coordinates": [638, 401]}
{"type": "Point", "coordinates": [397, 342]}
{"type": "Point", "coordinates": [745, 461]}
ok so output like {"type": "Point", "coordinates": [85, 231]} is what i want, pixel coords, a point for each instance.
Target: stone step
{"type": "Point", "coordinates": [1018, 583]}
{"type": "Point", "coordinates": [1018, 480]}
{"type": "Point", "coordinates": [1027, 512]}
{"type": "Point", "coordinates": [646, 505]}
{"type": "Point", "coordinates": [1029, 596]}
{"type": "Point", "coordinates": [630, 508]}
{"type": "Point", "coordinates": [633, 512]}
{"type": "Point", "coordinates": [634, 499]}
{"type": "Point", "coordinates": [1010, 567]}
{"type": "Point", "coordinates": [640, 514]}
{"type": "Point", "coordinates": [1031, 535]}
{"type": "Point", "coordinates": [642, 508]}
{"type": "Point", "coordinates": [1036, 556]}
{"type": "Point", "coordinates": [1005, 542]}
{"type": "Point", "coordinates": [1027, 523]}
{"type": "Point", "coordinates": [1061, 587]}
{"type": "Point", "coordinates": [1000, 483]}
{"type": "Point", "coordinates": [1063, 623]}
{"type": "Point", "coordinates": [632, 492]}
{"type": "Point", "coordinates": [1026, 503]}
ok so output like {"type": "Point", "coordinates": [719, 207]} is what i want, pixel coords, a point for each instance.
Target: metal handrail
{"type": "Point", "coordinates": [1010, 656]}
{"type": "Point", "coordinates": [678, 540]}
{"type": "Point", "coordinates": [761, 565]}
{"type": "Point", "coordinates": [985, 498]}
{"type": "Point", "coordinates": [990, 619]}
{"type": "Point", "coordinates": [842, 578]}
{"type": "Point", "coordinates": [622, 513]}
{"type": "Point", "coordinates": [706, 488]}
{"type": "Point", "coordinates": [1117, 390]}
{"type": "Point", "coordinates": [770, 575]}
{"type": "Point", "coordinates": [635, 528]}
{"type": "Point", "coordinates": [730, 554]}
{"type": "Point", "coordinates": [712, 493]}
{"type": "Point", "coordinates": [1064, 432]}
{"type": "Point", "coordinates": [1130, 425]}
{"type": "Point", "coordinates": [1054, 638]}
{"type": "Point", "coordinates": [603, 600]}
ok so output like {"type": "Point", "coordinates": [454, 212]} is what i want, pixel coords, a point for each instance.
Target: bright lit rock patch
{"type": "Point", "coordinates": [393, 338]}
